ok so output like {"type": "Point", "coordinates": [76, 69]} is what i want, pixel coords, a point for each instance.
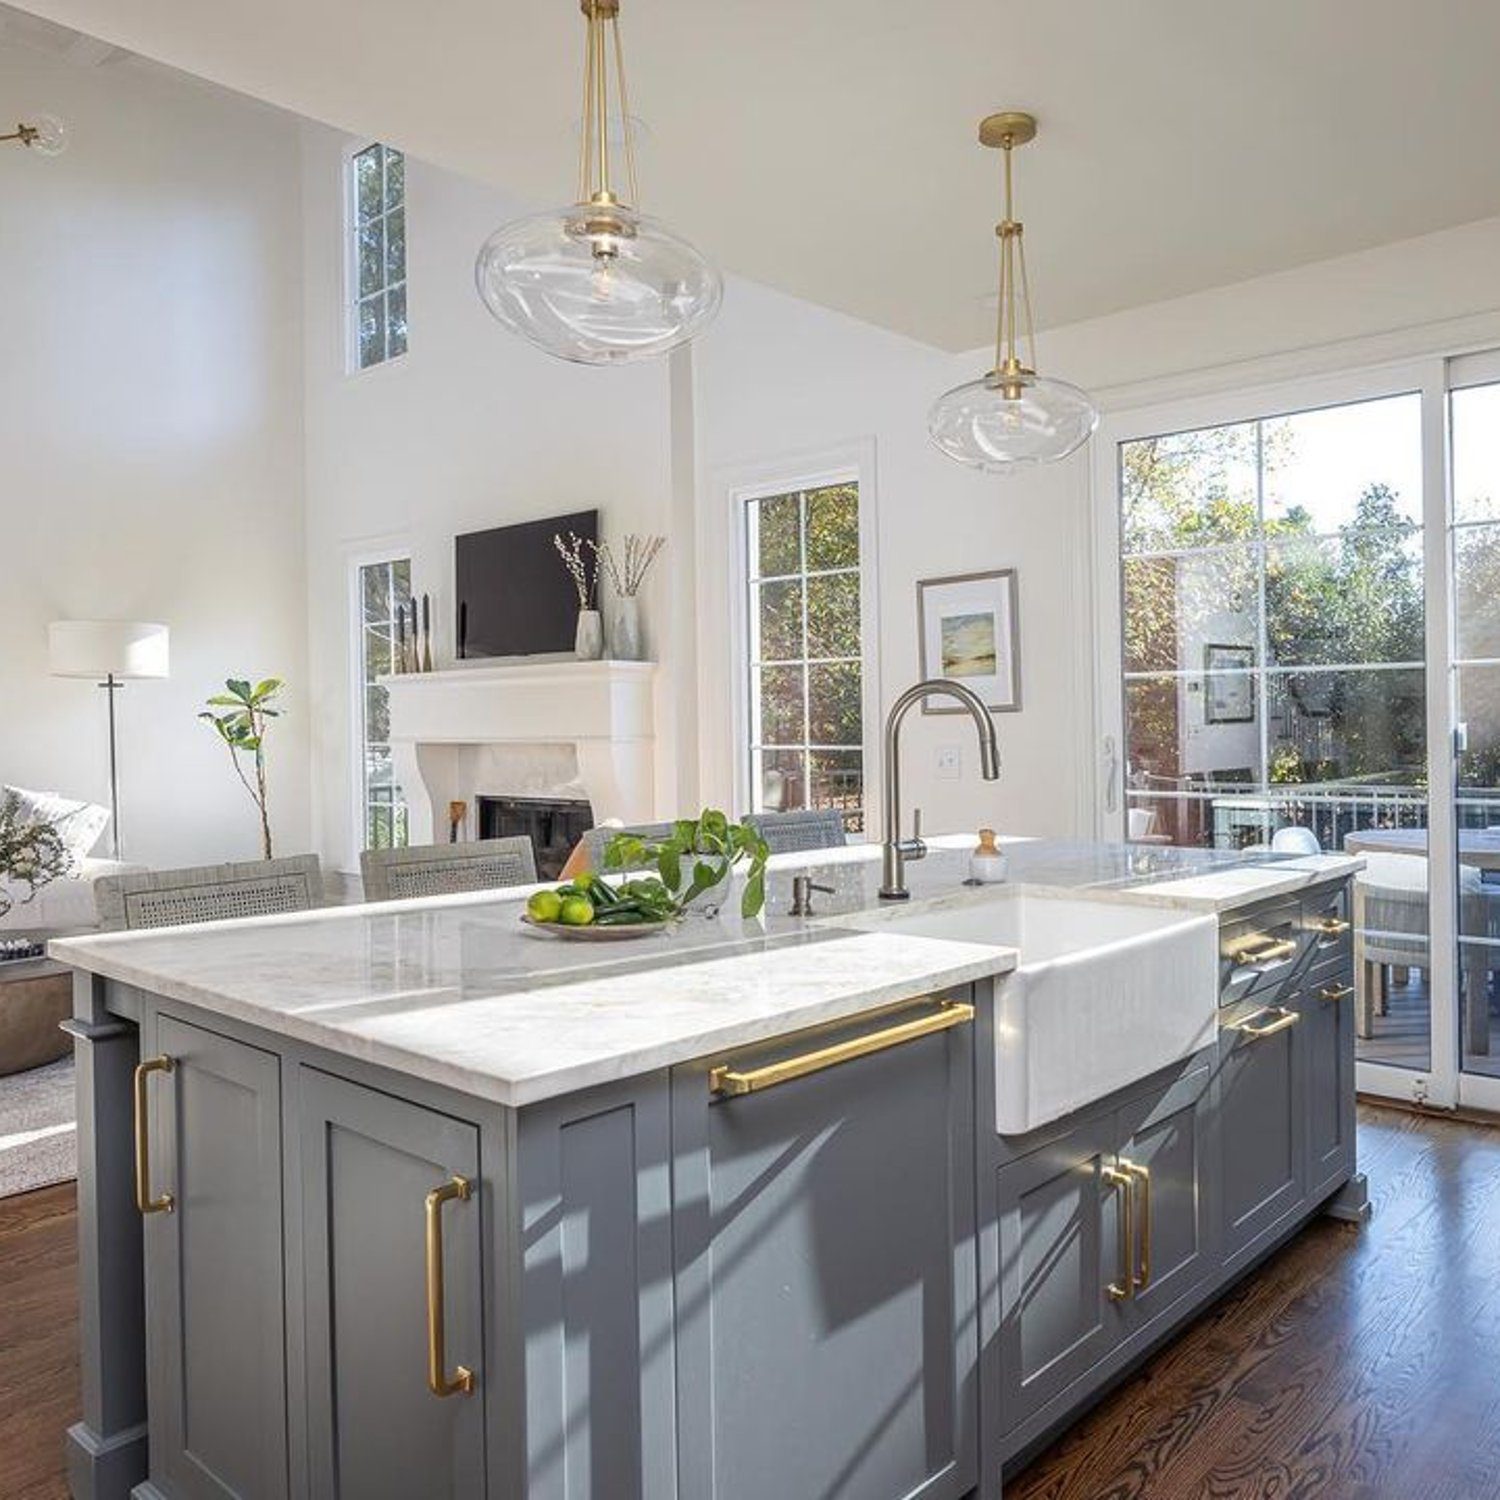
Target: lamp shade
{"type": "Point", "coordinates": [106, 648]}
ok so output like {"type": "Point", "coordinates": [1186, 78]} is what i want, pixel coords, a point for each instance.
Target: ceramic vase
{"type": "Point", "coordinates": [625, 629]}
{"type": "Point", "coordinates": [588, 641]}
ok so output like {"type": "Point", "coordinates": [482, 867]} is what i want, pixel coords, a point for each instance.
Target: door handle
{"type": "Point", "coordinates": [1264, 950]}
{"type": "Point", "coordinates": [1332, 926]}
{"type": "Point", "coordinates": [1120, 1289]}
{"type": "Point", "coordinates": [438, 1380]}
{"type": "Point", "coordinates": [1335, 992]}
{"type": "Point", "coordinates": [1140, 1277]}
{"type": "Point", "coordinates": [1254, 1028]}
{"type": "Point", "coordinates": [165, 1203]}
{"type": "Point", "coordinates": [726, 1080]}
{"type": "Point", "coordinates": [1111, 775]}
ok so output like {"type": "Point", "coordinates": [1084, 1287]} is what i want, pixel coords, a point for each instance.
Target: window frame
{"type": "Point", "coordinates": [851, 465]}
{"type": "Point", "coordinates": [375, 555]}
{"type": "Point", "coordinates": [351, 227]}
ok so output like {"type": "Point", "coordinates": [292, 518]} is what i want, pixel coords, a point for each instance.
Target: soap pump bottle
{"type": "Point", "coordinates": [987, 865]}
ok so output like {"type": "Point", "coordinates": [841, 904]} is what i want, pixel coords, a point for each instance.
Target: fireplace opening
{"type": "Point", "coordinates": [554, 824]}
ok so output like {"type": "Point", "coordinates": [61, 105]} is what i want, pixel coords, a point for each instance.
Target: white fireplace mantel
{"type": "Point", "coordinates": [447, 727]}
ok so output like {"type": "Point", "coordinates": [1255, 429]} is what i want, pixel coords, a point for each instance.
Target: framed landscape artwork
{"type": "Point", "coordinates": [969, 630]}
{"type": "Point", "coordinates": [1228, 688]}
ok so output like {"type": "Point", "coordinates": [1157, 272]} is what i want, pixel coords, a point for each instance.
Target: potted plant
{"type": "Point", "coordinates": [242, 723]}
{"type": "Point", "coordinates": [698, 857]}
{"type": "Point", "coordinates": [32, 851]}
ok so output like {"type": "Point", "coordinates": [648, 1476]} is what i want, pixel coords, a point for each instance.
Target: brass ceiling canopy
{"type": "Point", "coordinates": [1011, 417]}
{"type": "Point", "coordinates": [43, 134]}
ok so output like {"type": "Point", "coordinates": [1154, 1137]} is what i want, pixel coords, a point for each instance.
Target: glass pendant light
{"type": "Point", "coordinates": [598, 282]}
{"type": "Point", "coordinates": [1011, 418]}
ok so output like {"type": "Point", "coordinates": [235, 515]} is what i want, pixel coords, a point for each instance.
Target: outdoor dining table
{"type": "Point", "coordinates": [1479, 847]}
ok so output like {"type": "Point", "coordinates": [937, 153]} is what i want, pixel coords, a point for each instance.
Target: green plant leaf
{"type": "Point", "coordinates": [754, 897]}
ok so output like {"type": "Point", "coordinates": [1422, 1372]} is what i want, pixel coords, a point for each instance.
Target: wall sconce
{"type": "Point", "coordinates": [46, 135]}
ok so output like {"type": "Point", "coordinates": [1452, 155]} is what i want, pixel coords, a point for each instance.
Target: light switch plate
{"type": "Point", "coordinates": [950, 762]}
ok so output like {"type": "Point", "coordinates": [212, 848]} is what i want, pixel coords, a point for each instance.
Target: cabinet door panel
{"type": "Point", "coordinates": [1328, 1016]}
{"type": "Point", "coordinates": [1262, 1125]}
{"type": "Point", "coordinates": [826, 1278]}
{"type": "Point", "coordinates": [596, 1289]}
{"type": "Point", "coordinates": [1174, 1143]}
{"type": "Point", "coordinates": [215, 1295]}
{"type": "Point", "coordinates": [375, 1430]}
{"type": "Point", "coordinates": [1059, 1250]}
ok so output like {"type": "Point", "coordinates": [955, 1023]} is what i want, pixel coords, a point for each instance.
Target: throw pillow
{"type": "Point", "coordinates": [79, 824]}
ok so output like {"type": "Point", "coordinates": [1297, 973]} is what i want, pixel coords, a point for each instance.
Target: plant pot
{"type": "Point", "coordinates": [588, 641]}
{"type": "Point", "coordinates": [625, 629]}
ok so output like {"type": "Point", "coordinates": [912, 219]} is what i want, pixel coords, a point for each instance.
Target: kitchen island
{"type": "Point", "coordinates": [425, 1205]}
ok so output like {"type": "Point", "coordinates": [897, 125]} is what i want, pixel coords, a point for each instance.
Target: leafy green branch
{"type": "Point", "coordinates": [242, 727]}
{"type": "Point", "coordinates": [698, 855]}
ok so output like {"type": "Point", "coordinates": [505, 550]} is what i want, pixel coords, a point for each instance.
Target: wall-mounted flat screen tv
{"type": "Point", "coordinates": [515, 597]}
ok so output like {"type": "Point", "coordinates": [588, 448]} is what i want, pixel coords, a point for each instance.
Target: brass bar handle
{"type": "Point", "coordinates": [1266, 950]}
{"type": "Point", "coordinates": [727, 1081]}
{"type": "Point", "coordinates": [1335, 992]}
{"type": "Point", "coordinates": [1141, 1276]}
{"type": "Point", "coordinates": [438, 1380]}
{"type": "Point", "coordinates": [1121, 1289]}
{"type": "Point", "coordinates": [1333, 926]}
{"type": "Point", "coordinates": [1254, 1029]}
{"type": "Point", "coordinates": [165, 1203]}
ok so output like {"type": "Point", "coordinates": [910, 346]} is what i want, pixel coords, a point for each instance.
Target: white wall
{"type": "Point", "coordinates": [150, 439]}
{"type": "Point", "coordinates": [472, 428]}
{"type": "Point", "coordinates": [779, 378]}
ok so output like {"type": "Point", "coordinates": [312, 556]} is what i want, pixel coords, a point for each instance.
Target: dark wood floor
{"type": "Point", "coordinates": [1358, 1364]}
{"type": "Point", "coordinates": [38, 1340]}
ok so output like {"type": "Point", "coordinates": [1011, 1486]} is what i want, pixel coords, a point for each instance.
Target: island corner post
{"type": "Point", "coordinates": [106, 1449]}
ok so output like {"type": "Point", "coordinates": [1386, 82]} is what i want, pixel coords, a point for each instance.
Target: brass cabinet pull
{"type": "Point", "coordinates": [1141, 1277]}
{"type": "Point", "coordinates": [438, 1379]}
{"type": "Point", "coordinates": [1332, 926]}
{"type": "Point", "coordinates": [143, 1199]}
{"type": "Point", "coordinates": [1121, 1289]}
{"type": "Point", "coordinates": [725, 1080]}
{"type": "Point", "coordinates": [1254, 1028]}
{"type": "Point", "coordinates": [1335, 992]}
{"type": "Point", "coordinates": [1265, 950]}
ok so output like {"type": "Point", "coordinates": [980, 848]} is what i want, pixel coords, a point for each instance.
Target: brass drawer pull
{"type": "Point", "coordinates": [725, 1080]}
{"type": "Point", "coordinates": [1266, 950]}
{"type": "Point", "coordinates": [438, 1380]}
{"type": "Point", "coordinates": [1255, 1029]}
{"type": "Point", "coordinates": [1141, 1277]}
{"type": "Point", "coordinates": [1121, 1289]}
{"type": "Point", "coordinates": [1335, 992]}
{"type": "Point", "coordinates": [1333, 926]}
{"type": "Point", "coordinates": [143, 1199]}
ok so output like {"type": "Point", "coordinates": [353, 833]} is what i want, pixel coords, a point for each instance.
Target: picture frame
{"type": "Point", "coordinates": [968, 629]}
{"type": "Point", "coordinates": [1228, 687]}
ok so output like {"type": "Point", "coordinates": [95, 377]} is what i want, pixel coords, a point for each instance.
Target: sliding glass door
{"type": "Point", "coordinates": [1475, 553]}
{"type": "Point", "coordinates": [1301, 650]}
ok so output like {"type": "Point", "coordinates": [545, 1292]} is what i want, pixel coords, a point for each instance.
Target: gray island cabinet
{"type": "Point", "coordinates": [803, 1264]}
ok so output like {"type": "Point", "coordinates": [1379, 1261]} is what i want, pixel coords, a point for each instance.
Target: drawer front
{"type": "Point", "coordinates": [1261, 954]}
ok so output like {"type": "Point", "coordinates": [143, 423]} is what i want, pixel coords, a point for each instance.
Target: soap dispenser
{"type": "Point", "coordinates": [987, 865]}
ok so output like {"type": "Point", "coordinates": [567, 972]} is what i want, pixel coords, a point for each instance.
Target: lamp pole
{"type": "Point", "coordinates": [111, 686]}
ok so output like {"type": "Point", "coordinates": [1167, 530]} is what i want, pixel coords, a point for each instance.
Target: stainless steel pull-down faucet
{"type": "Point", "coordinates": [896, 850]}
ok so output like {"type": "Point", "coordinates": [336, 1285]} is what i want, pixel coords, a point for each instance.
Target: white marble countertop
{"type": "Point", "coordinates": [455, 990]}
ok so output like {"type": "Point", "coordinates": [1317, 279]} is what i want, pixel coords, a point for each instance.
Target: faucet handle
{"type": "Point", "coordinates": [916, 824]}
{"type": "Point", "coordinates": [914, 848]}
{"type": "Point", "coordinates": [803, 887]}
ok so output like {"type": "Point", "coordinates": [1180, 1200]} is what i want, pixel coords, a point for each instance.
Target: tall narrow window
{"type": "Point", "coordinates": [377, 259]}
{"type": "Point", "coordinates": [806, 677]}
{"type": "Point", "coordinates": [382, 589]}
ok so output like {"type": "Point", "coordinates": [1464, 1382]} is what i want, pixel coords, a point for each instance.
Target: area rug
{"type": "Point", "coordinates": [38, 1133]}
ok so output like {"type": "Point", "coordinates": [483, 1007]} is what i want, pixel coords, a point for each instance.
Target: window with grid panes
{"type": "Point", "coordinates": [383, 591]}
{"type": "Point", "coordinates": [806, 679]}
{"type": "Point", "coordinates": [377, 260]}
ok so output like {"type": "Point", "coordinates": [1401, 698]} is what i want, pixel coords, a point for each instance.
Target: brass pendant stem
{"type": "Point", "coordinates": [602, 53]}
{"type": "Point", "coordinates": [1007, 131]}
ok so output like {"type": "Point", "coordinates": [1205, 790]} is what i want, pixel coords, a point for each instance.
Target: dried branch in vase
{"type": "Point", "coordinates": [627, 573]}
{"type": "Point", "coordinates": [585, 581]}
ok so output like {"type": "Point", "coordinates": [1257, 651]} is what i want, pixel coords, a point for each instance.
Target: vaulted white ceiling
{"type": "Point", "coordinates": [828, 147]}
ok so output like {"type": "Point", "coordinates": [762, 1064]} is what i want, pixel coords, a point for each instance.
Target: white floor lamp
{"type": "Point", "coordinates": [115, 651]}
